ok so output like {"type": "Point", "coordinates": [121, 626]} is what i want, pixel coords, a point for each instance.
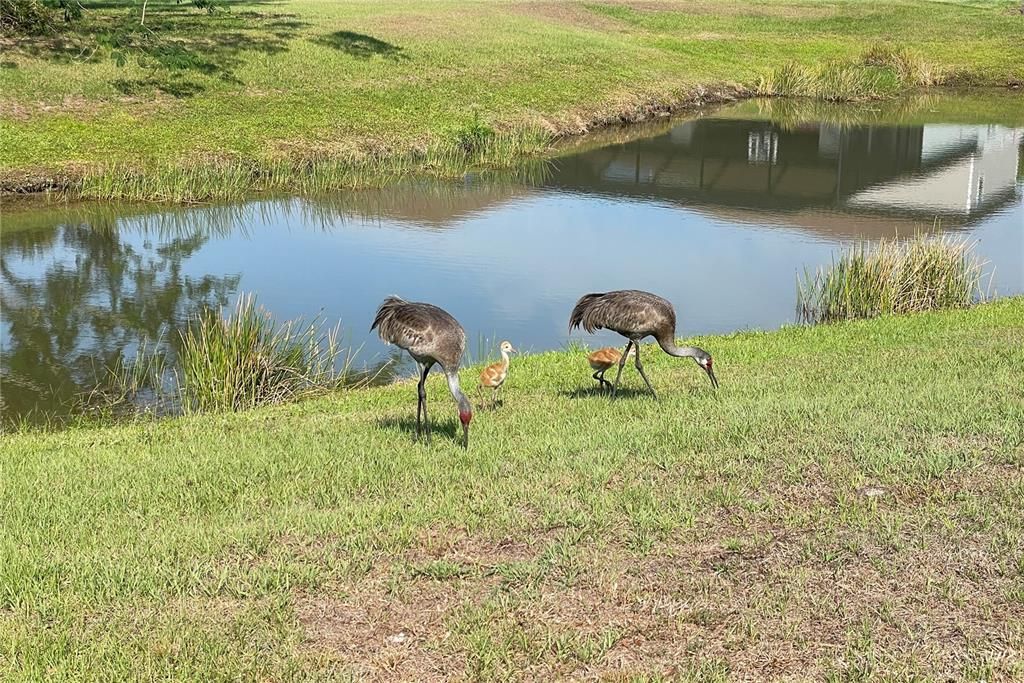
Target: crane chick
{"type": "Point", "coordinates": [602, 359]}
{"type": "Point", "coordinates": [494, 375]}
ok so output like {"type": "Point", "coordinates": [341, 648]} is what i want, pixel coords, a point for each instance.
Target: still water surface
{"type": "Point", "coordinates": [719, 214]}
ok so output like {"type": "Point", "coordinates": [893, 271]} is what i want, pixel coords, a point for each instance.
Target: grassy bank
{"type": "Point", "coordinates": [328, 94]}
{"type": "Point", "coordinates": [845, 507]}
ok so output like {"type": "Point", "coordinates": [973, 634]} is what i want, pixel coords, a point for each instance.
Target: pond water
{"type": "Point", "coordinates": [718, 213]}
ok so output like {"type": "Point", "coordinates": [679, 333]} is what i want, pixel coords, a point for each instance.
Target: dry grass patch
{"type": "Point", "coordinates": [725, 9]}
{"type": "Point", "coordinates": [566, 13]}
{"type": "Point", "coordinates": [838, 584]}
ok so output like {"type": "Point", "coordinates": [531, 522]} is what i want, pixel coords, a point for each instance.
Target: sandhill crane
{"type": "Point", "coordinates": [602, 359]}
{"type": "Point", "coordinates": [635, 314]}
{"type": "Point", "coordinates": [494, 375]}
{"type": "Point", "coordinates": [431, 336]}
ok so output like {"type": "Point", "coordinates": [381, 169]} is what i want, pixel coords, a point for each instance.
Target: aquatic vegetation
{"type": "Point", "coordinates": [245, 360]}
{"type": "Point", "coordinates": [892, 276]}
{"type": "Point", "coordinates": [471, 149]}
{"type": "Point", "coordinates": [882, 71]}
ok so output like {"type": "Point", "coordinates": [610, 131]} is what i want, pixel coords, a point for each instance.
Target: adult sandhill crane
{"type": "Point", "coordinates": [602, 359]}
{"type": "Point", "coordinates": [635, 314]}
{"type": "Point", "coordinates": [494, 375]}
{"type": "Point", "coordinates": [431, 336]}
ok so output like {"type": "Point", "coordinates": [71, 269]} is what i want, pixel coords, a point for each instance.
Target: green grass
{"type": "Point", "coordinates": [243, 359]}
{"type": "Point", "coordinates": [923, 273]}
{"type": "Point", "coordinates": [845, 507]}
{"type": "Point", "coordinates": [266, 94]}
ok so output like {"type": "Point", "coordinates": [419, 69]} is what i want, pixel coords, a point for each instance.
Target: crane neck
{"type": "Point", "coordinates": [668, 345]}
{"type": "Point", "coordinates": [456, 391]}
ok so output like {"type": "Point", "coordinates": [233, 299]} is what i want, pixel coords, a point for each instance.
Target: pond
{"type": "Point", "coordinates": [718, 213]}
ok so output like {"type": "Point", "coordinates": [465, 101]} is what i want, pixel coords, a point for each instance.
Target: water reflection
{"type": "Point", "coordinates": [718, 214]}
{"type": "Point", "coordinates": [78, 297]}
{"type": "Point", "coordinates": [742, 169]}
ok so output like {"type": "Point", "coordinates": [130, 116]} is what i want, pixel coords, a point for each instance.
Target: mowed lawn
{"type": "Point", "coordinates": [311, 79]}
{"type": "Point", "coordinates": [846, 507]}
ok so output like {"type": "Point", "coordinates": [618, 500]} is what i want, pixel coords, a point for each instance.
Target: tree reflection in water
{"type": "Point", "coordinates": [67, 319]}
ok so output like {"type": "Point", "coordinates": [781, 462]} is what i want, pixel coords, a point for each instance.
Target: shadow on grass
{"type": "Point", "coordinates": [360, 46]}
{"type": "Point", "coordinates": [596, 391]}
{"type": "Point", "coordinates": [175, 87]}
{"type": "Point", "coordinates": [444, 429]}
{"type": "Point", "coordinates": [176, 39]}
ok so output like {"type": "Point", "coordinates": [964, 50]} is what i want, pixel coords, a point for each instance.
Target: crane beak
{"type": "Point", "coordinates": [465, 436]}
{"type": "Point", "coordinates": [711, 376]}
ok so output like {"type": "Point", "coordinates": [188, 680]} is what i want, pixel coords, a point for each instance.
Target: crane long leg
{"type": "Point", "coordinates": [643, 374]}
{"type": "Point", "coordinates": [622, 363]}
{"type": "Point", "coordinates": [422, 393]}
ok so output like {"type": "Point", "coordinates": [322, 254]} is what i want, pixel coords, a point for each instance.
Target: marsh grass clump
{"type": "Point", "coordinates": [922, 274]}
{"type": "Point", "coordinates": [883, 71]}
{"type": "Point", "coordinates": [137, 384]}
{"type": "Point", "coordinates": [474, 147]}
{"type": "Point", "coordinates": [245, 359]}
{"type": "Point", "coordinates": [907, 65]}
{"type": "Point", "coordinates": [831, 81]}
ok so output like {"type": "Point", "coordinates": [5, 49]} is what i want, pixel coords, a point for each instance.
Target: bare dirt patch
{"type": "Point", "coordinates": [632, 107]}
{"type": "Point", "coordinates": [913, 588]}
{"type": "Point", "coordinates": [381, 636]}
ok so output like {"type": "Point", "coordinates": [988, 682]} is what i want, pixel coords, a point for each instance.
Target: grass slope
{"type": "Point", "coordinates": [272, 83]}
{"type": "Point", "coordinates": [847, 506]}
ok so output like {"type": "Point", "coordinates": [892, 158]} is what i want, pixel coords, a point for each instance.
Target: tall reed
{"type": "Point", "coordinates": [246, 360]}
{"type": "Point", "coordinates": [882, 71]}
{"type": "Point", "coordinates": [920, 274]}
{"type": "Point", "coordinates": [473, 147]}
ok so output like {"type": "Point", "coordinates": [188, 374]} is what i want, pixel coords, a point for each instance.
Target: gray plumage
{"type": "Point", "coordinates": [431, 336]}
{"type": "Point", "coordinates": [427, 332]}
{"type": "Point", "coordinates": [635, 315]}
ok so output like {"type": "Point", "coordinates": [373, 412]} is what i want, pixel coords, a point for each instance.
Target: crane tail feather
{"type": "Point", "coordinates": [386, 315]}
{"type": "Point", "coordinates": [583, 313]}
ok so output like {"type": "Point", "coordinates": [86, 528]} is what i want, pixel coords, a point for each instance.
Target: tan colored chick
{"type": "Point", "coordinates": [605, 358]}
{"type": "Point", "coordinates": [493, 376]}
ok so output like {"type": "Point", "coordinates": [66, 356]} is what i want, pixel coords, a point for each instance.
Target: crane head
{"type": "Point", "coordinates": [704, 360]}
{"type": "Point", "coordinates": [465, 417]}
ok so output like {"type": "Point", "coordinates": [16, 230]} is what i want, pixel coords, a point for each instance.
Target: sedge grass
{"type": "Point", "coordinates": [890, 277]}
{"type": "Point", "coordinates": [245, 359]}
{"type": "Point", "coordinates": [477, 149]}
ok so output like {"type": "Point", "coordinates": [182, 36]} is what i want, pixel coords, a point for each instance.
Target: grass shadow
{"type": "Point", "coordinates": [175, 39]}
{"type": "Point", "coordinates": [446, 428]}
{"type": "Point", "coordinates": [360, 45]}
{"type": "Point", "coordinates": [597, 391]}
{"type": "Point", "coordinates": [169, 86]}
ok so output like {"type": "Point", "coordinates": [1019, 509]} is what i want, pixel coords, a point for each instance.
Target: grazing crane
{"type": "Point", "coordinates": [431, 336]}
{"type": "Point", "coordinates": [601, 360]}
{"type": "Point", "coordinates": [494, 375]}
{"type": "Point", "coordinates": [635, 314]}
